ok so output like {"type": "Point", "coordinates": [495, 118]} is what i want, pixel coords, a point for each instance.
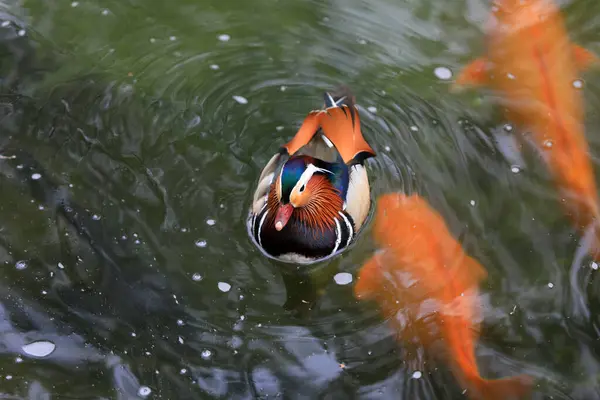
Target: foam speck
{"type": "Point", "coordinates": [443, 73]}
{"type": "Point", "coordinates": [240, 99]}
{"type": "Point", "coordinates": [343, 278]}
{"type": "Point", "coordinates": [224, 287]}
{"type": "Point", "coordinates": [41, 348]}
{"type": "Point", "coordinates": [144, 391]}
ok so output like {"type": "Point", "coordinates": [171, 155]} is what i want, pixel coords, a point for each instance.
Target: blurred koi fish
{"type": "Point", "coordinates": [419, 260]}
{"type": "Point", "coordinates": [533, 65]}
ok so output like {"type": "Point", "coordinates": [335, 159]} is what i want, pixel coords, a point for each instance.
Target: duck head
{"type": "Point", "coordinates": [305, 189]}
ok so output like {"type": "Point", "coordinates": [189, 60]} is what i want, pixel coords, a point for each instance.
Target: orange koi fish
{"type": "Point", "coordinates": [420, 261]}
{"type": "Point", "coordinates": [533, 65]}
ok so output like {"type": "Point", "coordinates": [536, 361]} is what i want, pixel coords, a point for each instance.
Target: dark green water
{"type": "Point", "coordinates": [128, 166]}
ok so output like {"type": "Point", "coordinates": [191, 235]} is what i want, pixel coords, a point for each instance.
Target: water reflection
{"type": "Point", "coordinates": [131, 114]}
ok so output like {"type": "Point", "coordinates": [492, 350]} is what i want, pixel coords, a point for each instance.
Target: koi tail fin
{"type": "Point", "coordinates": [512, 388]}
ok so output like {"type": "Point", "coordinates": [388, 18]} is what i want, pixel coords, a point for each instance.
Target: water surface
{"type": "Point", "coordinates": [132, 134]}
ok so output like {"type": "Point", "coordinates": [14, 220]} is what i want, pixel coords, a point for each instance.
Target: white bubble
{"type": "Point", "coordinates": [550, 285]}
{"type": "Point", "coordinates": [74, 4]}
{"type": "Point", "coordinates": [577, 83]}
{"type": "Point", "coordinates": [180, 339]}
{"type": "Point", "coordinates": [182, 371]}
{"type": "Point", "coordinates": [387, 148]}
{"type": "Point", "coordinates": [8, 377]}
{"type": "Point", "coordinates": [594, 265]}
{"type": "Point", "coordinates": [214, 67]}
{"type": "Point", "coordinates": [5, 24]}
{"type": "Point", "coordinates": [472, 202]}
{"type": "Point", "coordinates": [18, 360]}
{"type": "Point", "coordinates": [343, 278]}
{"type": "Point", "coordinates": [105, 12]}
{"type": "Point", "coordinates": [40, 348]}
{"type": "Point", "coordinates": [510, 76]}
{"type": "Point", "coordinates": [96, 217]}
{"type": "Point", "coordinates": [206, 354]}
{"type": "Point", "coordinates": [144, 391]}
{"type": "Point", "coordinates": [508, 127]}
{"type": "Point", "coordinates": [200, 243]}
{"type": "Point", "coordinates": [172, 38]}
{"type": "Point", "coordinates": [515, 169]}
{"type": "Point", "coordinates": [21, 32]}
{"type": "Point", "coordinates": [372, 109]}
{"type": "Point", "coordinates": [362, 41]}
{"type": "Point", "coordinates": [414, 128]}
{"type": "Point", "coordinates": [240, 99]}
{"type": "Point", "coordinates": [417, 375]}
{"type": "Point", "coordinates": [152, 40]}
{"type": "Point", "coordinates": [224, 287]}
{"type": "Point", "coordinates": [283, 88]}
{"type": "Point", "coordinates": [35, 176]}
{"type": "Point", "coordinates": [197, 277]}
{"type": "Point", "coordinates": [60, 265]}
{"type": "Point", "coordinates": [279, 128]}
{"type": "Point", "coordinates": [224, 37]}
{"type": "Point", "coordinates": [443, 73]}
{"type": "Point", "coordinates": [21, 265]}
{"type": "Point", "coordinates": [210, 222]}
{"type": "Point", "coordinates": [548, 143]}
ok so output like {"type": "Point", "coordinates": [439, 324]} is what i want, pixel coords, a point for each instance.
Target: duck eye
{"type": "Point", "coordinates": [301, 189]}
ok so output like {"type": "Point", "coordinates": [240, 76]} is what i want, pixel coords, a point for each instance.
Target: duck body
{"type": "Point", "coordinates": [313, 196]}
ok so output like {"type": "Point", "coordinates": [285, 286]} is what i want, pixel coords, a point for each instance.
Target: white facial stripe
{"type": "Point", "coordinates": [338, 235]}
{"type": "Point", "coordinates": [307, 174]}
{"type": "Point", "coordinates": [349, 226]}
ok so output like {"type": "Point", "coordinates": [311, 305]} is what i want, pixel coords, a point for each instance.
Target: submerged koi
{"type": "Point", "coordinates": [420, 261]}
{"type": "Point", "coordinates": [533, 65]}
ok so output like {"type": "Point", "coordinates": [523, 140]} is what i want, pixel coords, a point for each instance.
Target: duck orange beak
{"type": "Point", "coordinates": [283, 215]}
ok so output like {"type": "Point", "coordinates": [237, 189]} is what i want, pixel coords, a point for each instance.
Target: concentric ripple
{"type": "Point", "coordinates": [132, 134]}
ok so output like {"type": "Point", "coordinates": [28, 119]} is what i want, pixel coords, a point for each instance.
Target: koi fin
{"type": "Point", "coordinates": [515, 387]}
{"type": "Point", "coordinates": [369, 278]}
{"type": "Point", "coordinates": [584, 58]}
{"type": "Point", "coordinates": [474, 74]}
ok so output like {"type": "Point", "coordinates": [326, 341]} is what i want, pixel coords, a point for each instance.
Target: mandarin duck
{"type": "Point", "coordinates": [313, 196]}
